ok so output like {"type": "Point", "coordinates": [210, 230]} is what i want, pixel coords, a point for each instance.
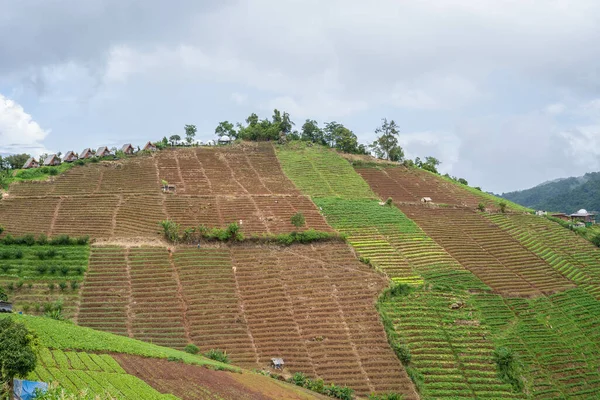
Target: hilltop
{"type": "Point", "coordinates": [431, 289]}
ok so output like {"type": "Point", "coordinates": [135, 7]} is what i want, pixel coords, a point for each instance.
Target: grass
{"type": "Point", "coordinates": [61, 335]}
{"type": "Point", "coordinates": [35, 174]}
{"type": "Point", "coordinates": [321, 172]}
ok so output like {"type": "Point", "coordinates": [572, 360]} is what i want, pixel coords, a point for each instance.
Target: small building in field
{"type": "Point", "coordinates": [31, 163]}
{"type": "Point", "coordinates": [224, 140]}
{"type": "Point", "coordinates": [5, 307]}
{"type": "Point", "coordinates": [128, 149]}
{"type": "Point", "coordinates": [277, 363]}
{"type": "Point", "coordinates": [540, 213]}
{"type": "Point", "coordinates": [426, 200]}
{"type": "Point", "coordinates": [86, 153]}
{"type": "Point", "coordinates": [103, 152]}
{"type": "Point", "coordinates": [52, 160]}
{"type": "Point", "coordinates": [149, 147]}
{"type": "Point", "coordinates": [70, 156]}
{"type": "Point", "coordinates": [582, 216]}
{"type": "Point", "coordinates": [562, 216]}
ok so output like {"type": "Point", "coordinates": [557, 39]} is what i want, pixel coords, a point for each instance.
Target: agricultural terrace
{"type": "Point", "coordinates": [492, 254]}
{"type": "Point", "coordinates": [409, 185]}
{"type": "Point", "coordinates": [568, 253]}
{"type": "Point", "coordinates": [41, 278]}
{"type": "Point", "coordinates": [393, 243]}
{"type": "Point", "coordinates": [321, 172]}
{"type": "Point", "coordinates": [80, 358]}
{"type": "Point", "coordinates": [311, 305]}
{"type": "Point", "coordinates": [124, 199]}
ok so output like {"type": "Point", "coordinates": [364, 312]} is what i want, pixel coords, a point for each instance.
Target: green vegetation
{"type": "Point", "coordinates": [386, 145]}
{"type": "Point", "coordinates": [321, 172]}
{"type": "Point", "coordinates": [298, 220]}
{"type": "Point", "coordinates": [191, 349]}
{"type": "Point", "coordinates": [318, 386]}
{"type": "Point", "coordinates": [217, 355]}
{"type": "Point", "coordinates": [43, 261]}
{"type": "Point", "coordinates": [17, 353]}
{"type": "Point", "coordinates": [509, 368]}
{"type": "Point", "coordinates": [62, 335]}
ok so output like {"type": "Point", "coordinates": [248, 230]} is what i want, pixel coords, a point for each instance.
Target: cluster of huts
{"type": "Point", "coordinates": [70, 156]}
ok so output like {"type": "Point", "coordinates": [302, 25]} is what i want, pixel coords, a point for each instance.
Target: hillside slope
{"type": "Point", "coordinates": [80, 358]}
{"type": "Point", "coordinates": [565, 195]}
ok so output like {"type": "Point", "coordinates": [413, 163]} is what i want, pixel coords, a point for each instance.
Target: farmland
{"type": "Point", "coordinates": [311, 305]}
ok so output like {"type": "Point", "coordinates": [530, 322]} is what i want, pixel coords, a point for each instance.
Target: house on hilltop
{"type": "Point", "coordinates": [224, 139]}
{"type": "Point", "coordinates": [86, 153]}
{"type": "Point", "coordinates": [103, 152]}
{"type": "Point", "coordinates": [31, 163]}
{"type": "Point", "coordinates": [70, 156]}
{"type": "Point", "coordinates": [128, 149]}
{"type": "Point", "coordinates": [150, 147]}
{"type": "Point", "coordinates": [562, 216]}
{"type": "Point", "coordinates": [426, 200]}
{"type": "Point", "coordinates": [52, 160]}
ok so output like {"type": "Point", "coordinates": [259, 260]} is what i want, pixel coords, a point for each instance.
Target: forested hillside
{"type": "Point", "coordinates": [565, 195]}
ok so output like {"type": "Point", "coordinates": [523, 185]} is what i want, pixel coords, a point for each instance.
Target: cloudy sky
{"type": "Point", "coordinates": [505, 93]}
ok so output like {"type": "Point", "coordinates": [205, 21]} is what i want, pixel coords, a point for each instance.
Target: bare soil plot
{"type": "Point", "coordinates": [190, 382]}
{"type": "Point", "coordinates": [493, 255]}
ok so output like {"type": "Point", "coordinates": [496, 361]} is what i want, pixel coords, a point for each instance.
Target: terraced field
{"type": "Point", "coordinates": [494, 256]}
{"type": "Point", "coordinates": [123, 199]}
{"type": "Point", "coordinates": [311, 305]}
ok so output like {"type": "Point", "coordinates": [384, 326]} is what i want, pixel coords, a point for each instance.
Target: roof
{"type": "Point", "coordinates": [277, 360]}
{"type": "Point", "coordinates": [126, 146]}
{"type": "Point", "coordinates": [87, 150]}
{"type": "Point", "coordinates": [426, 198]}
{"type": "Point", "coordinates": [49, 159]}
{"type": "Point", "coordinates": [224, 138]}
{"type": "Point", "coordinates": [149, 144]}
{"type": "Point", "coordinates": [29, 162]}
{"type": "Point", "coordinates": [69, 153]}
{"type": "Point", "coordinates": [102, 150]}
{"type": "Point", "coordinates": [582, 213]}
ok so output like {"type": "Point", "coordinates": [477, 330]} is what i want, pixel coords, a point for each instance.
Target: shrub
{"type": "Point", "coordinates": [18, 254]}
{"type": "Point", "coordinates": [62, 285]}
{"type": "Point", "coordinates": [51, 286]}
{"type": "Point", "coordinates": [74, 285]}
{"type": "Point", "coordinates": [78, 270]}
{"type": "Point", "coordinates": [64, 270]}
{"type": "Point", "coordinates": [217, 355]}
{"type": "Point", "coordinates": [10, 286]}
{"type": "Point", "coordinates": [55, 314]}
{"type": "Point", "coordinates": [508, 367]}
{"type": "Point", "coordinates": [403, 354]}
{"type": "Point", "coordinates": [61, 240]}
{"type": "Point", "coordinates": [171, 230]}
{"type": "Point", "coordinates": [191, 348]}
{"type": "Point", "coordinates": [28, 239]}
{"type": "Point", "coordinates": [5, 268]}
{"type": "Point", "coordinates": [502, 206]}
{"type": "Point", "coordinates": [20, 283]}
{"type": "Point", "coordinates": [82, 240]}
{"type": "Point", "coordinates": [8, 239]}
{"type": "Point", "coordinates": [30, 285]}
{"type": "Point", "coordinates": [26, 308]}
{"type": "Point", "coordinates": [53, 269]}
{"type": "Point", "coordinates": [175, 359]}
{"type": "Point", "coordinates": [416, 377]}
{"type": "Point", "coordinates": [233, 232]}
{"type": "Point", "coordinates": [389, 202]}
{"type": "Point", "coordinates": [298, 379]}
{"type": "Point", "coordinates": [79, 162]}
{"type": "Point", "coordinates": [298, 220]}
{"type": "Point", "coordinates": [386, 396]}
{"type": "Point", "coordinates": [481, 207]}
{"type": "Point", "coordinates": [41, 269]}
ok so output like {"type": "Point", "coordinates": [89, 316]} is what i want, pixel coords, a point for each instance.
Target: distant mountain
{"type": "Point", "coordinates": [564, 195]}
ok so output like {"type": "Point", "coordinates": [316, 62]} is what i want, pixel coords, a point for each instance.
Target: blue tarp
{"type": "Point", "coordinates": [24, 390]}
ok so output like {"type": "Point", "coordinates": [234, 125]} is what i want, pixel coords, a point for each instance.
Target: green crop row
{"type": "Point", "coordinates": [321, 172]}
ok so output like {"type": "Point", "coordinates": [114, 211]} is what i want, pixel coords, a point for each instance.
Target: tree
{"type": "Point", "coordinates": [502, 206]}
{"type": "Point", "coordinates": [17, 352]}
{"type": "Point", "coordinates": [15, 161]}
{"type": "Point", "coordinates": [174, 139]}
{"type": "Point", "coordinates": [312, 133]}
{"type": "Point", "coordinates": [298, 220]}
{"type": "Point", "coordinates": [430, 164]}
{"type": "Point", "coordinates": [282, 122]}
{"type": "Point", "coordinates": [190, 133]}
{"type": "Point", "coordinates": [386, 146]}
{"type": "Point", "coordinates": [338, 136]}
{"type": "Point", "coordinates": [463, 181]}
{"type": "Point", "coordinates": [225, 128]}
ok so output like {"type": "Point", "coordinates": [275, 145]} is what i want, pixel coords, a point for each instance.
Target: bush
{"type": "Point", "coordinates": [61, 240]}
{"type": "Point", "coordinates": [416, 377]}
{"type": "Point", "coordinates": [298, 379]}
{"type": "Point", "coordinates": [191, 348]}
{"type": "Point", "coordinates": [41, 269]}
{"type": "Point", "coordinates": [62, 285]}
{"type": "Point", "coordinates": [502, 206]}
{"type": "Point", "coordinates": [51, 286]}
{"type": "Point", "coordinates": [5, 268]}
{"type": "Point", "coordinates": [10, 286]}
{"type": "Point", "coordinates": [82, 240]}
{"type": "Point", "coordinates": [64, 270]}
{"type": "Point", "coordinates": [389, 202]}
{"type": "Point", "coordinates": [175, 359]}
{"type": "Point", "coordinates": [298, 220]}
{"type": "Point", "coordinates": [217, 355]}
{"type": "Point", "coordinates": [74, 285]}
{"type": "Point", "coordinates": [481, 207]}
{"type": "Point", "coordinates": [403, 354]}
{"type": "Point", "coordinates": [79, 162]}
{"type": "Point", "coordinates": [28, 240]}
{"type": "Point", "coordinates": [508, 367]}
{"type": "Point", "coordinates": [170, 230]}
{"type": "Point", "coordinates": [20, 283]}
{"type": "Point", "coordinates": [386, 396]}
{"type": "Point", "coordinates": [18, 254]}
{"type": "Point", "coordinates": [8, 239]}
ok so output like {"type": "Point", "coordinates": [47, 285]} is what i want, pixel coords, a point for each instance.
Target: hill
{"type": "Point", "coordinates": [563, 195]}
{"type": "Point", "coordinates": [429, 300]}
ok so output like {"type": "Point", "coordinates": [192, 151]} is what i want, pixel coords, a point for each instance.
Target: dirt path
{"type": "Point", "coordinates": [238, 293]}
{"type": "Point", "coordinates": [128, 307]}
{"type": "Point", "coordinates": [114, 216]}
{"type": "Point", "coordinates": [179, 172]}
{"type": "Point", "coordinates": [97, 189]}
{"type": "Point", "coordinates": [256, 172]}
{"type": "Point", "coordinates": [180, 296]}
{"type": "Point", "coordinates": [55, 216]}
{"type": "Point", "coordinates": [203, 172]}
{"type": "Point", "coordinates": [233, 178]}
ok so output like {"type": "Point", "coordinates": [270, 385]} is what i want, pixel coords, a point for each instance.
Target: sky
{"type": "Point", "coordinates": [505, 93]}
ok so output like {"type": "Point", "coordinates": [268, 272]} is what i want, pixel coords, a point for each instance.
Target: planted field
{"type": "Point", "coordinates": [96, 373]}
{"type": "Point", "coordinates": [493, 255]}
{"type": "Point", "coordinates": [311, 305]}
{"type": "Point", "coordinates": [451, 348]}
{"type": "Point", "coordinates": [395, 244]}
{"type": "Point", "coordinates": [568, 253]}
{"type": "Point", "coordinates": [321, 172]}
{"type": "Point", "coordinates": [39, 277]}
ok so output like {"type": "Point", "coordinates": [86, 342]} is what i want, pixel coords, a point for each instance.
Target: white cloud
{"type": "Point", "coordinates": [555, 109]}
{"type": "Point", "coordinates": [18, 131]}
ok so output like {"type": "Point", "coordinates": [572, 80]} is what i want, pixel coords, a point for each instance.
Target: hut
{"type": "Point", "coordinates": [425, 199]}
{"type": "Point", "coordinates": [540, 213]}
{"type": "Point", "coordinates": [5, 307]}
{"type": "Point", "coordinates": [224, 140]}
{"type": "Point", "coordinates": [31, 163]}
{"type": "Point", "coordinates": [128, 149]}
{"type": "Point", "coordinates": [86, 153]}
{"type": "Point", "coordinates": [150, 147]}
{"type": "Point", "coordinates": [70, 156]}
{"type": "Point", "coordinates": [562, 216]}
{"type": "Point", "coordinates": [582, 216]}
{"type": "Point", "coordinates": [52, 160]}
{"type": "Point", "coordinates": [277, 363]}
{"type": "Point", "coordinates": [103, 152]}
